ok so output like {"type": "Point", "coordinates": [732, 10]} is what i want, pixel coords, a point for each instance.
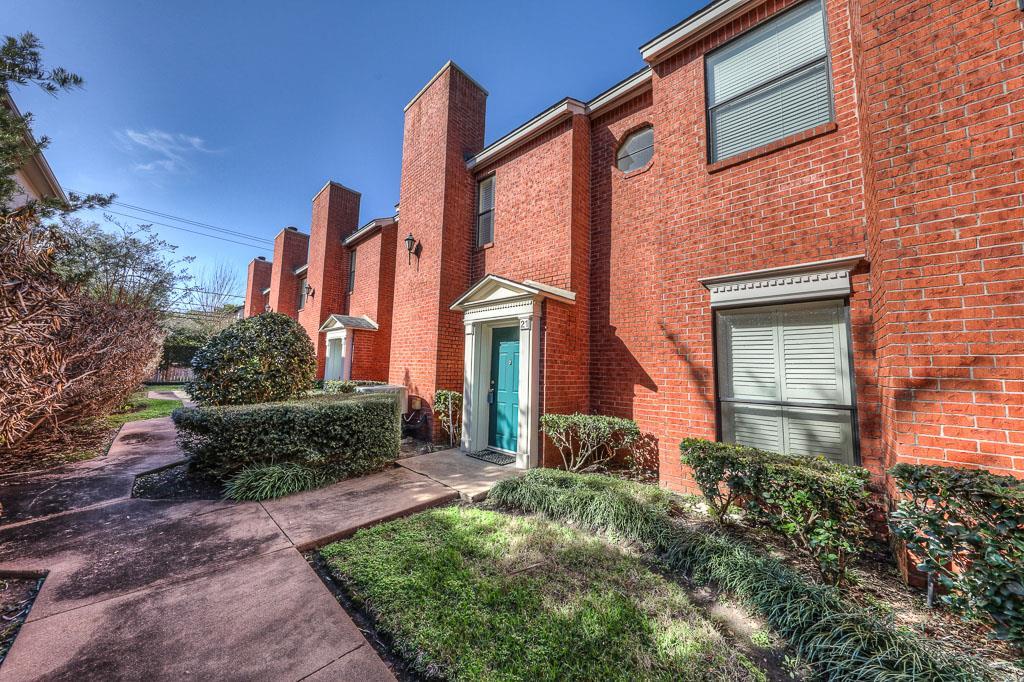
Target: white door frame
{"type": "Point", "coordinates": [339, 368]}
{"type": "Point", "coordinates": [493, 303]}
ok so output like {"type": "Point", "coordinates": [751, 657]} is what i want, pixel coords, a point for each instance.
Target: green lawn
{"type": "Point", "coordinates": [140, 407]}
{"type": "Point", "coordinates": [471, 594]}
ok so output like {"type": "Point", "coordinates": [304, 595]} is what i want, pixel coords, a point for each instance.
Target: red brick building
{"type": "Point", "coordinates": [799, 226]}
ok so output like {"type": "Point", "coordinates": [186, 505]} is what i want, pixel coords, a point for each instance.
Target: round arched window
{"type": "Point", "coordinates": [636, 150]}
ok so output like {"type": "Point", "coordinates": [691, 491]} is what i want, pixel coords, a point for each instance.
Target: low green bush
{"type": "Point", "coordinates": [448, 408]}
{"type": "Point", "coordinates": [966, 528]}
{"type": "Point", "coordinates": [338, 436]}
{"type": "Point", "coordinates": [586, 440]}
{"type": "Point", "coordinates": [336, 386]}
{"type": "Point", "coordinates": [259, 359]}
{"type": "Point", "coordinates": [821, 507]}
{"type": "Point", "coordinates": [840, 640]}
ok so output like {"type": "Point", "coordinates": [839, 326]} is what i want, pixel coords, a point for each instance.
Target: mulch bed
{"type": "Point", "coordinates": [75, 444]}
{"type": "Point", "coordinates": [878, 584]}
{"type": "Point", "coordinates": [16, 597]}
{"type": "Point", "coordinates": [175, 483]}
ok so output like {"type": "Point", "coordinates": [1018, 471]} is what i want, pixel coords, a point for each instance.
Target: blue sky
{"type": "Point", "coordinates": [235, 113]}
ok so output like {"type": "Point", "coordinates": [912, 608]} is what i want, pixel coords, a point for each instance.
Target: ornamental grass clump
{"type": "Point", "coordinates": [840, 640]}
{"type": "Point", "coordinates": [821, 507]}
{"type": "Point", "coordinates": [966, 529]}
{"type": "Point", "coordinates": [586, 440]}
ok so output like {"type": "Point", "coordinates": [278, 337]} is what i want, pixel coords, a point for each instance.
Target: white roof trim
{"type": "Point", "coordinates": [437, 75]}
{"type": "Point", "coordinates": [367, 229]}
{"type": "Point", "coordinates": [820, 279]}
{"type": "Point", "coordinates": [685, 32]}
{"type": "Point", "coordinates": [526, 289]}
{"type": "Point", "coordinates": [37, 159]}
{"type": "Point", "coordinates": [640, 78]}
{"type": "Point", "coordinates": [347, 322]}
{"type": "Point", "coordinates": [301, 269]}
{"type": "Point", "coordinates": [536, 125]}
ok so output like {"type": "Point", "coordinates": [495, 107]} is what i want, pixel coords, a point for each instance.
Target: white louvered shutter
{"type": "Point", "coordinates": [485, 211]}
{"type": "Point", "coordinates": [770, 82]}
{"type": "Point", "coordinates": [778, 355]}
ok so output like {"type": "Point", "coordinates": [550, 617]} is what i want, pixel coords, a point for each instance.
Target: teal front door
{"type": "Point", "coordinates": [503, 393]}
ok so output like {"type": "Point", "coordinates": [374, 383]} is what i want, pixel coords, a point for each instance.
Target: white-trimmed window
{"type": "Point", "coordinates": [636, 150]}
{"type": "Point", "coordinates": [485, 211]}
{"type": "Point", "coordinates": [769, 83]}
{"type": "Point", "coordinates": [351, 271]}
{"type": "Point", "coordinates": [302, 293]}
{"type": "Point", "coordinates": [785, 380]}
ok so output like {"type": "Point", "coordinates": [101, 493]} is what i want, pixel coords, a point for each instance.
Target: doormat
{"type": "Point", "coordinates": [492, 457]}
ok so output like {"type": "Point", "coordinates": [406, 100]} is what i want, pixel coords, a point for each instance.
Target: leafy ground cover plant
{"type": "Point", "coordinates": [821, 507]}
{"type": "Point", "coordinates": [471, 594]}
{"type": "Point", "coordinates": [586, 440]}
{"type": "Point", "coordinates": [841, 641]}
{"type": "Point", "coordinates": [260, 359]}
{"type": "Point", "coordinates": [966, 528]}
{"type": "Point", "coordinates": [448, 408]}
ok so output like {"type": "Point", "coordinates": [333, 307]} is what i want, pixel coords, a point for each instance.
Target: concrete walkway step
{"type": "Point", "coordinates": [472, 478]}
{"type": "Point", "coordinates": [317, 517]}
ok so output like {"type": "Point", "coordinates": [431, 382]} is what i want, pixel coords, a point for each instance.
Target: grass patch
{"type": "Point", "coordinates": [471, 594]}
{"type": "Point", "coordinates": [140, 407]}
{"type": "Point", "coordinates": [841, 640]}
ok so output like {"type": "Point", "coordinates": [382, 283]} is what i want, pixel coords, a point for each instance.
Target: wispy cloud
{"type": "Point", "coordinates": [158, 151]}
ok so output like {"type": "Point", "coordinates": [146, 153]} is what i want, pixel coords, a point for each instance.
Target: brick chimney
{"type": "Point", "coordinates": [258, 280]}
{"type": "Point", "coordinates": [444, 124]}
{"type": "Point", "coordinates": [335, 216]}
{"type": "Point", "coordinates": [290, 247]}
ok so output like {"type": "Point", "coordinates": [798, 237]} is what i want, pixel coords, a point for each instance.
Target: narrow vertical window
{"type": "Point", "coordinates": [351, 271]}
{"type": "Point", "coordinates": [302, 293]}
{"type": "Point", "coordinates": [769, 83]}
{"type": "Point", "coordinates": [485, 211]}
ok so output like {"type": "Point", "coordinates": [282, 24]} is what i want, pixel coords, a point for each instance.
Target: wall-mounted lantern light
{"type": "Point", "coordinates": [410, 245]}
{"type": "Point", "coordinates": [310, 291]}
{"type": "Point", "coordinates": [266, 308]}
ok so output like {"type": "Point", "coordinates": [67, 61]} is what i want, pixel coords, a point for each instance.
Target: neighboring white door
{"type": "Point", "coordinates": [334, 363]}
{"type": "Point", "coordinates": [785, 379]}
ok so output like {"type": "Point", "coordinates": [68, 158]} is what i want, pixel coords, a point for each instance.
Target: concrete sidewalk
{"type": "Point", "coordinates": [163, 589]}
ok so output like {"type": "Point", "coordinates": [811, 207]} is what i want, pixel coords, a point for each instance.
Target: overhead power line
{"type": "Point", "coordinates": [188, 221]}
{"type": "Point", "coordinates": [184, 229]}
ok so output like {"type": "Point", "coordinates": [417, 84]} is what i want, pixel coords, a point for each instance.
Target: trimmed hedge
{"type": "Point", "coordinates": [337, 437]}
{"type": "Point", "coordinates": [966, 527]}
{"type": "Point", "coordinates": [841, 641]}
{"type": "Point", "coordinates": [255, 360]}
{"type": "Point", "coordinates": [820, 506]}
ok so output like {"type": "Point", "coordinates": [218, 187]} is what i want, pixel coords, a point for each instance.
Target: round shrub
{"type": "Point", "coordinates": [256, 360]}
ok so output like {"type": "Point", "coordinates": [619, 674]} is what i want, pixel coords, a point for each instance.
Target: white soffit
{"type": "Point", "coordinates": [536, 125]}
{"type": "Point", "coordinates": [692, 28]}
{"type": "Point", "coordinates": [821, 279]}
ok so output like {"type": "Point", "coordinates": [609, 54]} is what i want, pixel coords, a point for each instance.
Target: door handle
{"type": "Point", "coordinates": [490, 396]}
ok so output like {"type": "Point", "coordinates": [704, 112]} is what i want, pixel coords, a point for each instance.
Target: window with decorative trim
{"type": "Point", "coordinates": [636, 150]}
{"type": "Point", "coordinates": [769, 83]}
{"type": "Point", "coordinates": [485, 211]}
{"type": "Point", "coordinates": [785, 379]}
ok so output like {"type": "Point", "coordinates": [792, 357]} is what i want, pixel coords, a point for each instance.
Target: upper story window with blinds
{"type": "Point", "coordinates": [769, 83]}
{"type": "Point", "coordinates": [636, 150]}
{"type": "Point", "coordinates": [485, 211]}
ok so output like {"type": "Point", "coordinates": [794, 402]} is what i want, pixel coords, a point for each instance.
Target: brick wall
{"type": "Point", "coordinates": [944, 88]}
{"type": "Point", "coordinates": [373, 296]}
{"type": "Point", "coordinates": [335, 216]}
{"type": "Point", "coordinates": [290, 247]}
{"type": "Point", "coordinates": [657, 231]}
{"type": "Point", "coordinates": [442, 125]}
{"type": "Point", "coordinates": [257, 279]}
